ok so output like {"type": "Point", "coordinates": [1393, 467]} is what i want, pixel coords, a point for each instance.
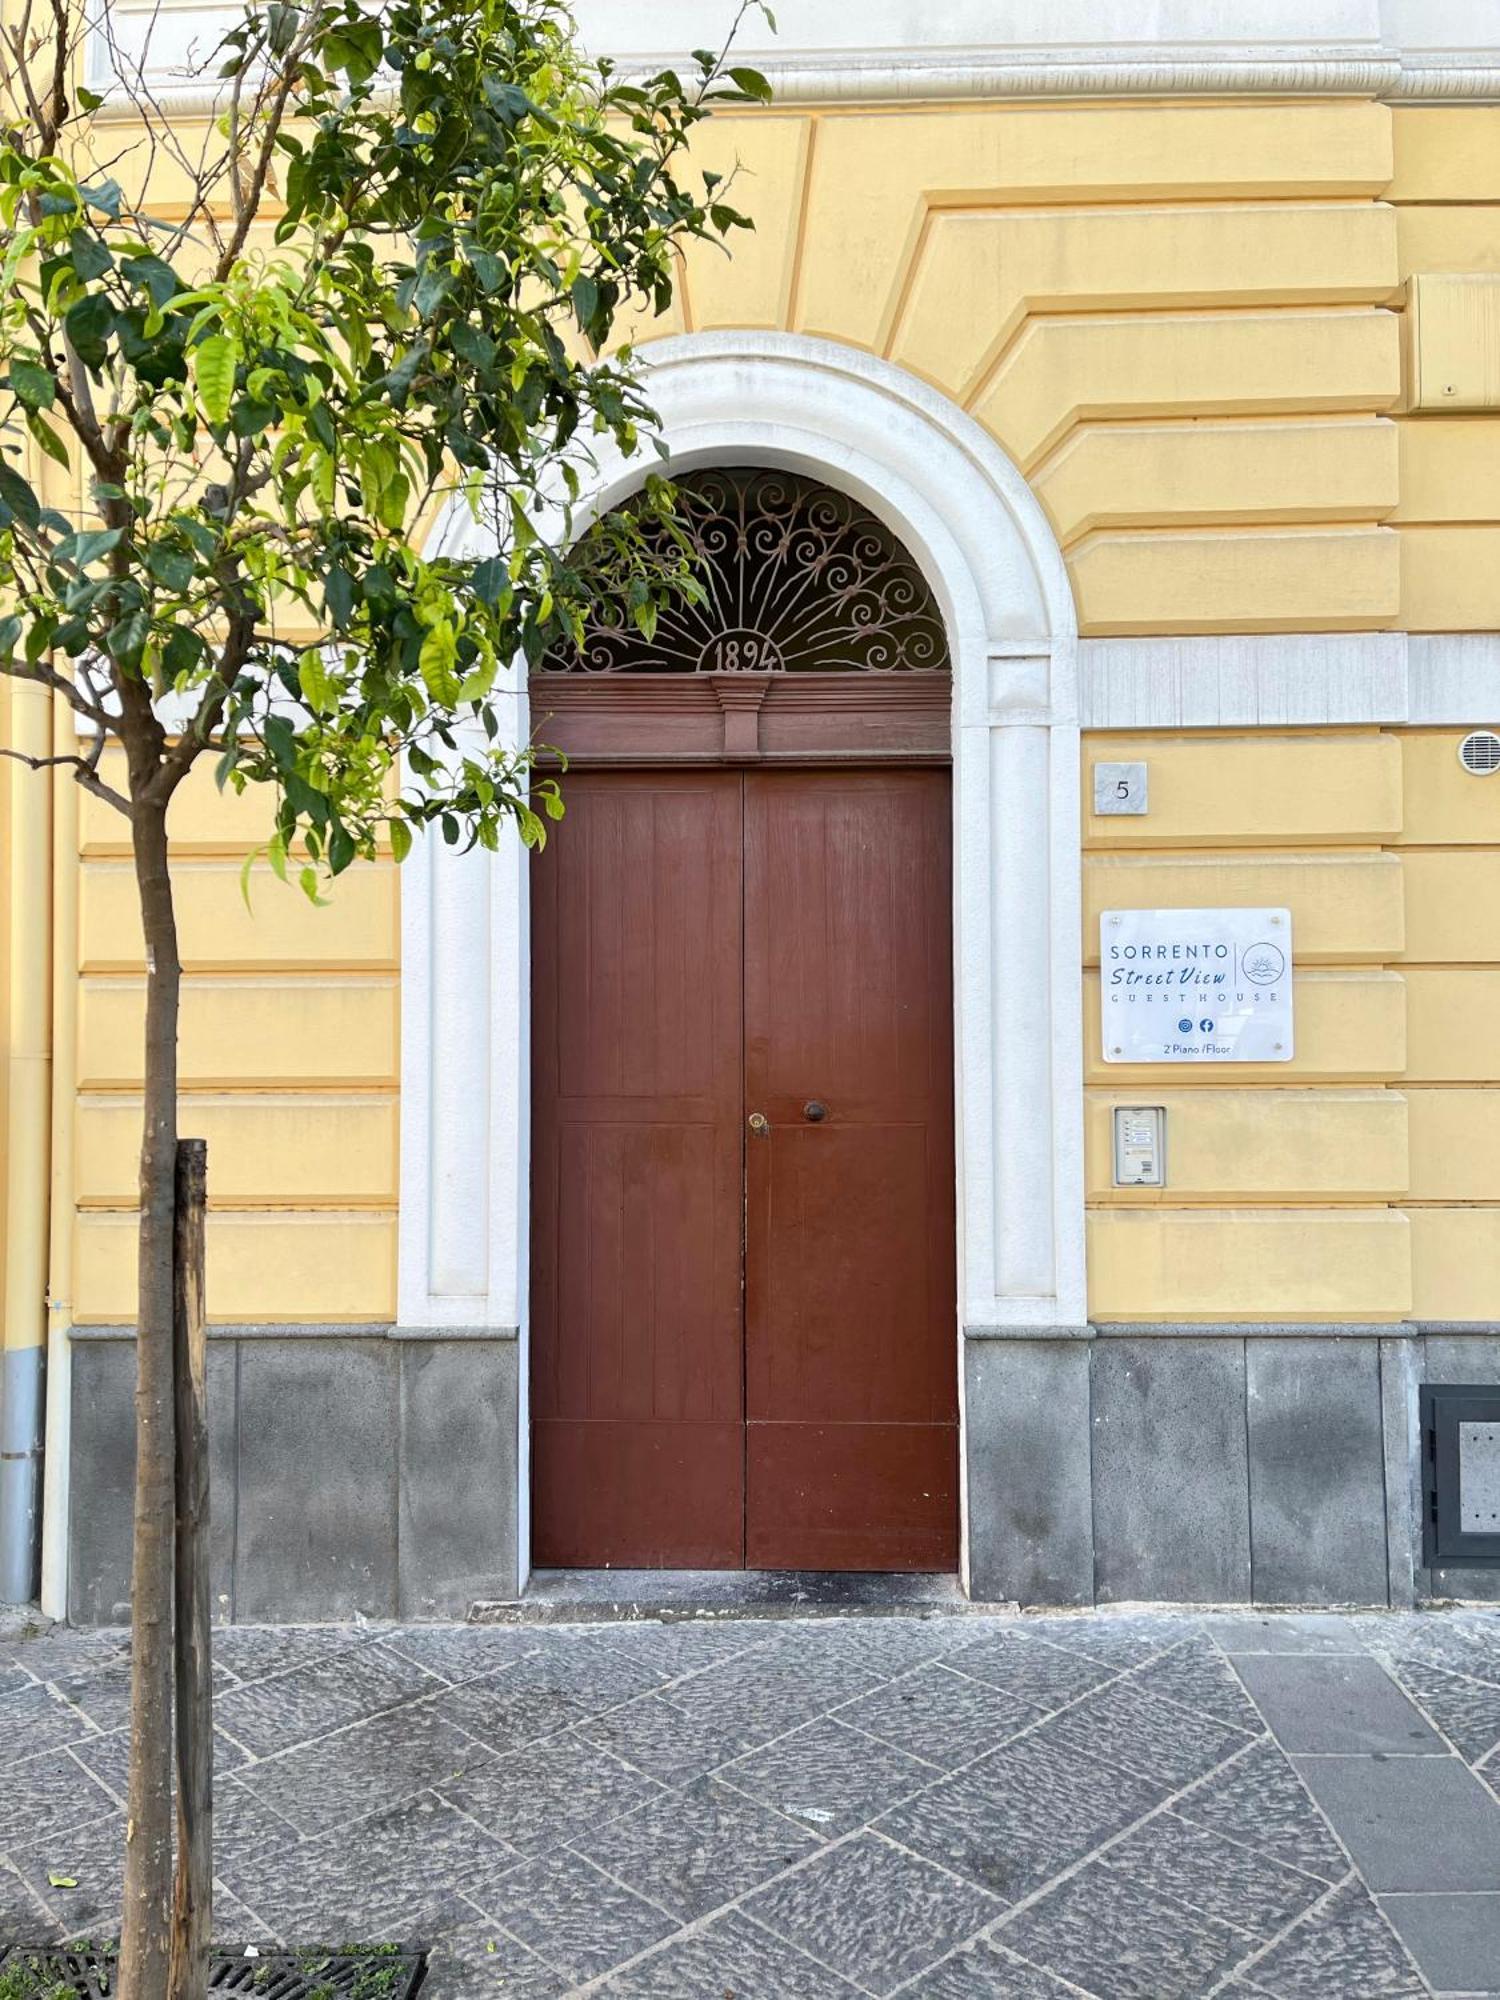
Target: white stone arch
{"type": "Point", "coordinates": [968, 518]}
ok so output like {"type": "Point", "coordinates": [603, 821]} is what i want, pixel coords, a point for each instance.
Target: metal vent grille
{"type": "Point", "coordinates": [1479, 753]}
{"type": "Point", "coordinates": [377, 1972]}
{"type": "Point", "coordinates": [1461, 1475]}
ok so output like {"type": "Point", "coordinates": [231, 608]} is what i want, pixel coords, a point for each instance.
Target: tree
{"type": "Point", "coordinates": [389, 273]}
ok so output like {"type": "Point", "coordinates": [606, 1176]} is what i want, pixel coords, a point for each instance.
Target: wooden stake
{"type": "Point", "coordinates": [192, 1911]}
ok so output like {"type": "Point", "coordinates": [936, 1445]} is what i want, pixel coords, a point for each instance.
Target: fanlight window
{"type": "Point", "coordinates": [798, 579]}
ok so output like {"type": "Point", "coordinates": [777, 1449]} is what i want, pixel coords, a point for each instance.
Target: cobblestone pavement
{"type": "Point", "coordinates": [948, 1808]}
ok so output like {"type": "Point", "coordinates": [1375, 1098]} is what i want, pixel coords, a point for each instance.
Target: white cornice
{"type": "Point", "coordinates": [900, 51]}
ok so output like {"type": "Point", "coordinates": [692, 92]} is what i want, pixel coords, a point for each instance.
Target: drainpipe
{"type": "Point", "coordinates": [67, 803]}
{"type": "Point", "coordinates": [28, 1134]}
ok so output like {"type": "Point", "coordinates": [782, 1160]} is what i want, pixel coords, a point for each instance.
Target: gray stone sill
{"type": "Point", "coordinates": [314, 1330]}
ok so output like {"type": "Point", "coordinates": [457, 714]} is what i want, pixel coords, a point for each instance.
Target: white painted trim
{"type": "Point", "coordinates": [831, 51]}
{"type": "Point", "coordinates": [969, 519]}
{"type": "Point", "coordinates": [1290, 680]}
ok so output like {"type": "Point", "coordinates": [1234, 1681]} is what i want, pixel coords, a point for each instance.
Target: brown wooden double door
{"type": "Point", "coordinates": [744, 1333]}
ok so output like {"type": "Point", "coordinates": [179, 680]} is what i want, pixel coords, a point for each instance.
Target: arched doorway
{"type": "Point", "coordinates": [743, 1290]}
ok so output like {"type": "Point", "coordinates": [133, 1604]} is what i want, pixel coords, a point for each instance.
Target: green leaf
{"type": "Point", "coordinates": [47, 438]}
{"type": "Point", "coordinates": [174, 568]}
{"type": "Point", "coordinates": [88, 324]}
{"type": "Point", "coordinates": [317, 684]}
{"type": "Point", "coordinates": [400, 839]}
{"type": "Point", "coordinates": [752, 83]}
{"type": "Point", "coordinates": [214, 363]}
{"type": "Point", "coordinates": [62, 1881]}
{"type": "Point", "coordinates": [90, 544]}
{"type": "Point", "coordinates": [585, 300]}
{"type": "Point", "coordinates": [33, 386]}
{"type": "Point", "coordinates": [17, 501]}
{"type": "Point", "coordinates": [338, 595]}
{"type": "Point", "coordinates": [90, 255]}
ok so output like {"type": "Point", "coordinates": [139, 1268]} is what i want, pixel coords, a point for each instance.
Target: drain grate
{"type": "Point", "coordinates": [360, 1972]}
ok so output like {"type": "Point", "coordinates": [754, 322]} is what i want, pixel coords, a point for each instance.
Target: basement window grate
{"type": "Point", "coordinates": [1461, 1475]}
{"type": "Point", "coordinates": [352, 1972]}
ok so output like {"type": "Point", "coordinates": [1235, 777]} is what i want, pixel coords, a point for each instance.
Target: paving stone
{"type": "Point", "coordinates": [1325, 1706]}
{"type": "Point", "coordinates": [43, 1795]}
{"type": "Point", "coordinates": [1260, 1802]}
{"type": "Point", "coordinates": [1410, 1822]}
{"type": "Point", "coordinates": [575, 1918]}
{"type": "Point", "coordinates": [880, 1647]}
{"type": "Point", "coordinates": [944, 1717]}
{"type": "Point", "coordinates": [23, 1919]}
{"type": "Point", "coordinates": [235, 1925]}
{"type": "Point", "coordinates": [1012, 1820]}
{"type": "Point", "coordinates": [89, 1864]}
{"type": "Point", "coordinates": [1197, 1675]}
{"type": "Point", "coordinates": [731, 1955]}
{"type": "Point", "coordinates": [1116, 1640]}
{"type": "Point", "coordinates": [1247, 1890]}
{"type": "Point", "coordinates": [687, 1646]}
{"type": "Point", "coordinates": [983, 1971]}
{"type": "Point", "coordinates": [108, 1757]}
{"type": "Point", "coordinates": [310, 1701]}
{"type": "Point", "coordinates": [336, 1779]}
{"type": "Point", "coordinates": [505, 1712]}
{"type": "Point", "coordinates": [396, 1877]}
{"type": "Point", "coordinates": [464, 1652]}
{"type": "Point", "coordinates": [541, 1797]}
{"type": "Point", "coordinates": [694, 1851]}
{"type": "Point", "coordinates": [758, 1697]}
{"type": "Point", "coordinates": [479, 1962]}
{"type": "Point", "coordinates": [1342, 1947]}
{"type": "Point", "coordinates": [828, 1777]}
{"type": "Point", "coordinates": [33, 1719]}
{"type": "Point", "coordinates": [255, 1652]}
{"type": "Point", "coordinates": [1455, 1940]}
{"type": "Point", "coordinates": [869, 1910]}
{"type": "Point", "coordinates": [68, 1650]}
{"type": "Point", "coordinates": [1466, 1711]}
{"type": "Point", "coordinates": [1118, 1939]}
{"type": "Point", "coordinates": [1047, 1676]}
{"type": "Point", "coordinates": [660, 1740]}
{"type": "Point", "coordinates": [1463, 1646]}
{"type": "Point", "coordinates": [590, 1676]}
{"type": "Point", "coordinates": [1173, 1745]}
{"type": "Point", "coordinates": [1283, 1632]}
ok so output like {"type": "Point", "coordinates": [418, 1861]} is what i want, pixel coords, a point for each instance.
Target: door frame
{"type": "Point", "coordinates": [966, 516]}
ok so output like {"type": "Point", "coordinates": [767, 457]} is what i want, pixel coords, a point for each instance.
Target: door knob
{"type": "Point", "coordinates": [814, 1112]}
{"type": "Point", "coordinates": [760, 1124]}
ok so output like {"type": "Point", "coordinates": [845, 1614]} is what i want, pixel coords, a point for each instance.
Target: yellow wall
{"type": "Point", "coordinates": [290, 1066]}
{"type": "Point", "coordinates": [1186, 323]}
{"type": "Point", "coordinates": [1360, 1181]}
{"type": "Point", "coordinates": [1183, 321]}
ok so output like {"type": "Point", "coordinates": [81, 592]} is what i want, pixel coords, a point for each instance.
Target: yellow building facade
{"type": "Point", "coordinates": [1230, 316]}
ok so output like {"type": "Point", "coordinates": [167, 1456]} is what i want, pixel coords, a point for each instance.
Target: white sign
{"type": "Point", "coordinates": [1196, 985]}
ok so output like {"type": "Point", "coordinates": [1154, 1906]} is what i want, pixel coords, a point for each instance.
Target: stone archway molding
{"type": "Point", "coordinates": [968, 518]}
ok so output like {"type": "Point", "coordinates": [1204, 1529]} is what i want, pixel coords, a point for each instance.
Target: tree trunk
{"type": "Point", "coordinates": [192, 1916]}
{"type": "Point", "coordinates": [146, 1930]}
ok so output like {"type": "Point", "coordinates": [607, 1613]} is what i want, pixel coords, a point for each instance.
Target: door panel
{"type": "Point", "coordinates": [637, 1192]}
{"type": "Point", "coordinates": [850, 1305]}
{"type": "Point", "coordinates": [744, 1349]}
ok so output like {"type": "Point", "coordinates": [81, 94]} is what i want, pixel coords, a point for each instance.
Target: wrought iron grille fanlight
{"type": "Point", "coordinates": [798, 579]}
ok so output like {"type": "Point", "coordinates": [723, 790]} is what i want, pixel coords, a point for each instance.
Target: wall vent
{"type": "Point", "coordinates": [1479, 753]}
{"type": "Point", "coordinates": [1461, 1475]}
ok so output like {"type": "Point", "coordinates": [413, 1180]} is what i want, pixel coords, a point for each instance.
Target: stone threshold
{"type": "Point", "coordinates": [585, 1596]}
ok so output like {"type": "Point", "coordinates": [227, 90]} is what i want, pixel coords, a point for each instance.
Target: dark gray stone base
{"type": "Point", "coordinates": [359, 1473]}
{"type": "Point", "coordinates": [351, 1474]}
{"type": "Point", "coordinates": [1271, 1465]}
